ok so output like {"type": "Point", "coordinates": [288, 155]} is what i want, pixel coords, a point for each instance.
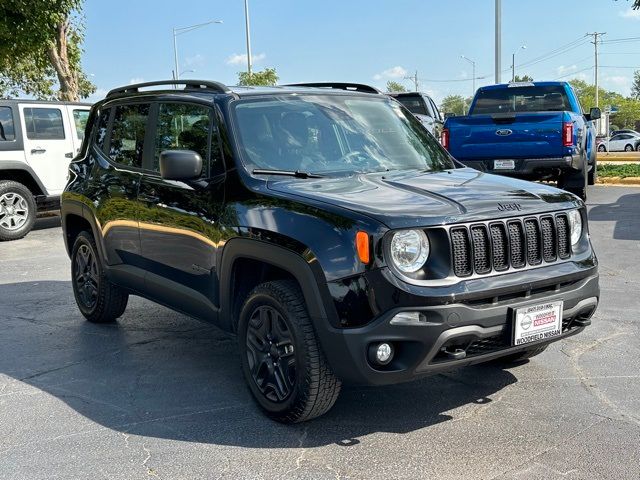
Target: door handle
{"type": "Point", "coordinates": [68, 155]}
{"type": "Point", "coordinates": [38, 150]}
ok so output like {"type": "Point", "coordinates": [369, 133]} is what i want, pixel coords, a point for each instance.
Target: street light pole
{"type": "Point", "coordinates": [248, 32]}
{"type": "Point", "coordinates": [473, 65]}
{"type": "Point", "coordinates": [179, 31]}
{"type": "Point", "coordinates": [498, 39]}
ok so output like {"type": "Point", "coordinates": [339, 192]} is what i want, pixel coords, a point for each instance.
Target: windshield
{"type": "Point", "coordinates": [521, 99]}
{"type": "Point", "coordinates": [334, 133]}
{"type": "Point", "coordinates": [415, 104]}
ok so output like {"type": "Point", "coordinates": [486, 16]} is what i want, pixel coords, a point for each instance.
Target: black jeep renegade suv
{"type": "Point", "coordinates": [326, 229]}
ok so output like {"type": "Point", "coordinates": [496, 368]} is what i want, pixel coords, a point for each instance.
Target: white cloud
{"type": "Point", "coordinates": [563, 69]}
{"type": "Point", "coordinates": [618, 79]}
{"type": "Point", "coordinates": [391, 73]}
{"type": "Point", "coordinates": [630, 13]}
{"type": "Point", "coordinates": [241, 59]}
{"type": "Point", "coordinates": [99, 94]}
{"type": "Point", "coordinates": [196, 60]}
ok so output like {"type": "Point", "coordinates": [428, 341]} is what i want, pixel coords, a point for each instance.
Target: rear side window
{"type": "Point", "coordinates": [183, 126]}
{"type": "Point", "coordinates": [44, 123]}
{"type": "Point", "coordinates": [7, 130]}
{"type": "Point", "coordinates": [550, 98]}
{"type": "Point", "coordinates": [127, 134]}
{"type": "Point", "coordinates": [103, 124]}
{"type": "Point", "coordinates": [80, 118]}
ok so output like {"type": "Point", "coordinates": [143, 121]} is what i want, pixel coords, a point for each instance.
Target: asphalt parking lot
{"type": "Point", "coordinates": [160, 395]}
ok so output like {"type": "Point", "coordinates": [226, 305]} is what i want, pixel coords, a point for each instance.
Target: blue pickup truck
{"type": "Point", "coordinates": [533, 130]}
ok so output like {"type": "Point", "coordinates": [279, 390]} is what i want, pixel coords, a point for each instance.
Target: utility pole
{"type": "Point", "coordinates": [595, 36]}
{"type": "Point", "coordinates": [473, 65]}
{"type": "Point", "coordinates": [498, 40]}
{"type": "Point", "coordinates": [414, 79]}
{"type": "Point", "coordinates": [248, 30]}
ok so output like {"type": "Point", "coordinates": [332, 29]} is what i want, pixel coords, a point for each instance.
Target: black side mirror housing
{"type": "Point", "coordinates": [594, 114]}
{"type": "Point", "coordinates": [180, 165]}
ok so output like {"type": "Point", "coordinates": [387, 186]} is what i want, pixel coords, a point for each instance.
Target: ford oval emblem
{"type": "Point", "coordinates": [504, 132]}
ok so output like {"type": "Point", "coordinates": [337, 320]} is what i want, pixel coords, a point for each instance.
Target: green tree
{"type": "Point", "coordinates": [524, 78]}
{"type": "Point", "coordinates": [635, 86]}
{"type": "Point", "coordinates": [395, 87]}
{"type": "Point", "coordinates": [455, 104]}
{"type": "Point", "coordinates": [267, 77]}
{"type": "Point", "coordinates": [41, 49]}
{"type": "Point", "coordinates": [628, 108]}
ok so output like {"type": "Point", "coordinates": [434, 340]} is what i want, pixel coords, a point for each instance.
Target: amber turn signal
{"type": "Point", "coordinates": [362, 245]}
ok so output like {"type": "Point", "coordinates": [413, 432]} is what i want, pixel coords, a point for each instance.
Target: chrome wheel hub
{"type": "Point", "coordinates": [14, 211]}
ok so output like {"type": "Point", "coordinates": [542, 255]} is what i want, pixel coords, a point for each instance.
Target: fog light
{"type": "Point", "coordinates": [381, 353]}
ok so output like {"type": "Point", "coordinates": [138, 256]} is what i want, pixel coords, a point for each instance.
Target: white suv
{"type": "Point", "coordinates": [37, 142]}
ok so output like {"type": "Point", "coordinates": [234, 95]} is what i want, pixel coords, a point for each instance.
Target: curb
{"type": "Point", "coordinates": [619, 180]}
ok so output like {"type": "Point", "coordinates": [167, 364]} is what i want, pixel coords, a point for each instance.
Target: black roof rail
{"type": "Point", "coordinates": [354, 87]}
{"type": "Point", "coordinates": [216, 87]}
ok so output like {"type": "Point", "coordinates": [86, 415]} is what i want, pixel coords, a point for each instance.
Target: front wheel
{"type": "Point", "coordinates": [602, 148]}
{"type": "Point", "coordinates": [17, 210]}
{"type": "Point", "coordinates": [638, 148]}
{"type": "Point", "coordinates": [282, 360]}
{"type": "Point", "coordinates": [98, 299]}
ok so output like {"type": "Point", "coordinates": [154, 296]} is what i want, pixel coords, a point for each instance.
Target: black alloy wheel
{"type": "Point", "coordinates": [270, 353]}
{"type": "Point", "coordinates": [87, 281]}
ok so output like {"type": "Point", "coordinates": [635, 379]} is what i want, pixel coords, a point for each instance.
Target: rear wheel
{"type": "Point", "coordinates": [98, 299]}
{"type": "Point", "coordinates": [282, 360]}
{"type": "Point", "coordinates": [524, 355]}
{"type": "Point", "coordinates": [638, 147]}
{"type": "Point", "coordinates": [575, 181]}
{"type": "Point", "coordinates": [17, 210]}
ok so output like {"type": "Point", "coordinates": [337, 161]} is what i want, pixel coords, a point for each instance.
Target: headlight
{"type": "Point", "coordinates": [575, 224]}
{"type": "Point", "coordinates": [409, 250]}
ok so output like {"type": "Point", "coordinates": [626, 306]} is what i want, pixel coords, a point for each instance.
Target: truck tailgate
{"type": "Point", "coordinates": [518, 135]}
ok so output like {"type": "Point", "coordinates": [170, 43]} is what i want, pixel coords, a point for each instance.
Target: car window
{"type": "Point", "coordinates": [7, 130]}
{"type": "Point", "coordinates": [435, 110]}
{"type": "Point", "coordinates": [183, 126]}
{"type": "Point", "coordinates": [415, 104]}
{"type": "Point", "coordinates": [80, 118]}
{"type": "Point", "coordinates": [103, 124]}
{"type": "Point", "coordinates": [430, 111]}
{"type": "Point", "coordinates": [549, 98]}
{"type": "Point", "coordinates": [335, 133]}
{"type": "Point", "coordinates": [127, 134]}
{"type": "Point", "coordinates": [44, 123]}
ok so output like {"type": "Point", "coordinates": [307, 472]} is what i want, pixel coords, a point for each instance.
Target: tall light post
{"type": "Point", "coordinates": [473, 64]}
{"type": "Point", "coordinates": [248, 33]}
{"type": "Point", "coordinates": [513, 62]}
{"type": "Point", "coordinates": [179, 31]}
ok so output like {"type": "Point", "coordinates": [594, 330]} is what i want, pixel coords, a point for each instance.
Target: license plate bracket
{"type": "Point", "coordinates": [537, 322]}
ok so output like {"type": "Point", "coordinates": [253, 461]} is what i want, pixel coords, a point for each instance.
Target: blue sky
{"type": "Point", "coordinates": [368, 41]}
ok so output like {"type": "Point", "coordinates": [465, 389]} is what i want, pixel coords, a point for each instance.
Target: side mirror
{"type": "Point", "coordinates": [594, 114]}
{"type": "Point", "coordinates": [180, 165]}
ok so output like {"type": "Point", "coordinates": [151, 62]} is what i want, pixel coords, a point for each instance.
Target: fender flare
{"type": "Point", "coordinates": [18, 165]}
{"type": "Point", "coordinates": [285, 259]}
{"type": "Point", "coordinates": [73, 207]}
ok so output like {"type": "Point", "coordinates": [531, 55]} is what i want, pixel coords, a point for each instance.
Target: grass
{"type": "Point", "coordinates": [626, 170]}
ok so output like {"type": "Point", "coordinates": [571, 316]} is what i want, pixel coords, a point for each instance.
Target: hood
{"type": "Point", "coordinates": [410, 198]}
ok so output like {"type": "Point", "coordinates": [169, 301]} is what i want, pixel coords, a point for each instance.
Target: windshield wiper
{"type": "Point", "coordinates": [288, 173]}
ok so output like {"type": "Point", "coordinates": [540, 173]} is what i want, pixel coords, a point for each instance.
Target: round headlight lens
{"type": "Point", "coordinates": [409, 250]}
{"type": "Point", "coordinates": [575, 224]}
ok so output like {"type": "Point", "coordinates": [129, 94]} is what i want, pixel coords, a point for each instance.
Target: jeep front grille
{"type": "Point", "coordinates": [499, 246]}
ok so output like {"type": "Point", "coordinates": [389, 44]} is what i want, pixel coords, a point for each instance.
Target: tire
{"type": "Point", "coordinates": [282, 360]}
{"type": "Point", "coordinates": [602, 148]}
{"type": "Point", "coordinates": [524, 355]}
{"type": "Point", "coordinates": [18, 210]}
{"type": "Point", "coordinates": [576, 181]}
{"type": "Point", "coordinates": [638, 147]}
{"type": "Point", "coordinates": [98, 299]}
{"type": "Point", "coordinates": [628, 148]}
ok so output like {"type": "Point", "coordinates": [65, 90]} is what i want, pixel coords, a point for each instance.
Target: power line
{"type": "Point", "coordinates": [573, 73]}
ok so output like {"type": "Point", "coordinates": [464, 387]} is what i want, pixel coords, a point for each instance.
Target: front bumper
{"type": "Point", "coordinates": [482, 329]}
{"type": "Point", "coordinates": [528, 167]}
